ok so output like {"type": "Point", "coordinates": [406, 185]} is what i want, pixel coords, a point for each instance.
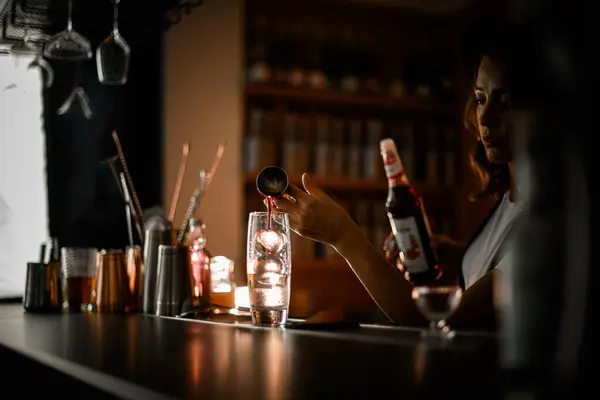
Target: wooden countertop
{"type": "Point", "coordinates": [146, 357]}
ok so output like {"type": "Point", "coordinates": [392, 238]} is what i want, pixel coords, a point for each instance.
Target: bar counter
{"type": "Point", "coordinates": [145, 357]}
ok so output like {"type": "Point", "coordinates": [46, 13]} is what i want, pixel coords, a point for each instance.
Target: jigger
{"type": "Point", "coordinates": [112, 293]}
{"type": "Point", "coordinates": [174, 284]}
{"type": "Point", "coordinates": [272, 181]}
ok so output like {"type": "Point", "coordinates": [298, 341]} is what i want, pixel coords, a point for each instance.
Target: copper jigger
{"type": "Point", "coordinates": [272, 181]}
{"type": "Point", "coordinates": [135, 273]}
{"type": "Point", "coordinates": [112, 284]}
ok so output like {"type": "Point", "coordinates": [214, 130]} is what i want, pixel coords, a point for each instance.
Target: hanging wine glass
{"type": "Point", "coordinates": [22, 50]}
{"type": "Point", "coordinates": [45, 67]}
{"type": "Point", "coordinates": [68, 44]}
{"type": "Point", "coordinates": [112, 56]}
{"type": "Point", "coordinates": [25, 48]}
{"type": "Point", "coordinates": [79, 96]}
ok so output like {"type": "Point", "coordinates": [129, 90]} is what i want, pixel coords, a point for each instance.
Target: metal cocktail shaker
{"type": "Point", "coordinates": [42, 287]}
{"type": "Point", "coordinates": [175, 281]}
{"type": "Point", "coordinates": [153, 239]}
{"type": "Point", "coordinates": [43, 283]}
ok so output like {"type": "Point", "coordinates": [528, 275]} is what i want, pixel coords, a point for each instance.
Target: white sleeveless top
{"type": "Point", "coordinates": [482, 251]}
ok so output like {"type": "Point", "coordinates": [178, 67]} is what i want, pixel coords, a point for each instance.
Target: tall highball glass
{"type": "Point", "coordinates": [269, 267]}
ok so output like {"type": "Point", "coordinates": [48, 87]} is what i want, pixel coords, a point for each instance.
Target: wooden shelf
{"type": "Point", "coordinates": [358, 185]}
{"type": "Point", "coordinates": [346, 99]}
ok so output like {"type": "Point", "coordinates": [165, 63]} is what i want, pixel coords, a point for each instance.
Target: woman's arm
{"type": "Point", "coordinates": [392, 293]}
{"type": "Point", "coordinates": [384, 282]}
{"type": "Point", "coordinates": [316, 216]}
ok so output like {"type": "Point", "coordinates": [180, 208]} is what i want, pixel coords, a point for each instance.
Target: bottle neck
{"type": "Point", "coordinates": [394, 170]}
{"type": "Point", "coordinates": [196, 235]}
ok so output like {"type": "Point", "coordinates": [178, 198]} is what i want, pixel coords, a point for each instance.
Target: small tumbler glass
{"type": "Point", "coordinates": [269, 267]}
{"type": "Point", "coordinates": [78, 275]}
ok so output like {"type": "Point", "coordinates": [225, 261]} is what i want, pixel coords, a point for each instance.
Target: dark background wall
{"type": "Point", "coordinates": [85, 204]}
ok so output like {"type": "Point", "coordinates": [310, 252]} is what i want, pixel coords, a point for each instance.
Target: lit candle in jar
{"type": "Point", "coordinates": [242, 297]}
{"type": "Point", "coordinates": [221, 281]}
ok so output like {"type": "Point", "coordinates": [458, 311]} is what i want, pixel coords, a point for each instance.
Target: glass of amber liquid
{"type": "Point", "coordinates": [78, 278]}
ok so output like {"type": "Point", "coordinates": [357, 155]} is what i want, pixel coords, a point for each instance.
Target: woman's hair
{"type": "Point", "coordinates": [497, 42]}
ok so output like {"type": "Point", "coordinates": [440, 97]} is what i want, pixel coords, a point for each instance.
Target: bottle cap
{"type": "Point", "coordinates": [387, 145]}
{"type": "Point", "coordinates": [391, 161]}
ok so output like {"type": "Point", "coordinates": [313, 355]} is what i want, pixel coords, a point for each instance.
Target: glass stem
{"type": "Point", "coordinates": [115, 30]}
{"type": "Point", "coordinates": [70, 16]}
{"type": "Point", "coordinates": [433, 325]}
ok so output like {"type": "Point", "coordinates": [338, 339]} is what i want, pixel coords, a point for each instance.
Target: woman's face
{"type": "Point", "coordinates": [492, 106]}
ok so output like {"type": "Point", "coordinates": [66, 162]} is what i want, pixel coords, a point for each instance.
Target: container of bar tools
{"type": "Point", "coordinates": [154, 237]}
{"type": "Point", "coordinates": [175, 281]}
{"type": "Point", "coordinates": [135, 274]}
{"type": "Point", "coordinates": [42, 283]}
{"type": "Point", "coordinates": [112, 293]}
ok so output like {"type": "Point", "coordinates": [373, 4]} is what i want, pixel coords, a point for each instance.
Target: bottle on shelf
{"type": "Point", "coordinates": [323, 150]}
{"type": "Point", "coordinates": [449, 158]}
{"type": "Point", "coordinates": [371, 164]}
{"type": "Point", "coordinates": [432, 156]}
{"type": "Point", "coordinates": [317, 76]}
{"type": "Point", "coordinates": [354, 149]}
{"type": "Point", "coordinates": [408, 152]}
{"type": "Point", "coordinates": [299, 62]}
{"type": "Point", "coordinates": [336, 133]}
{"type": "Point", "coordinates": [259, 70]}
{"type": "Point", "coordinates": [295, 146]}
{"type": "Point", "coordinates": [280, 52]}
{"type": "Point", "coordinates": [259, 146]}
{"type": "Point", "coordinates": [408, 221]}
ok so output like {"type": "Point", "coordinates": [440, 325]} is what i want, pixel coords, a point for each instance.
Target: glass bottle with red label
{"type": "Point", "coordinates": [408, 221]}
